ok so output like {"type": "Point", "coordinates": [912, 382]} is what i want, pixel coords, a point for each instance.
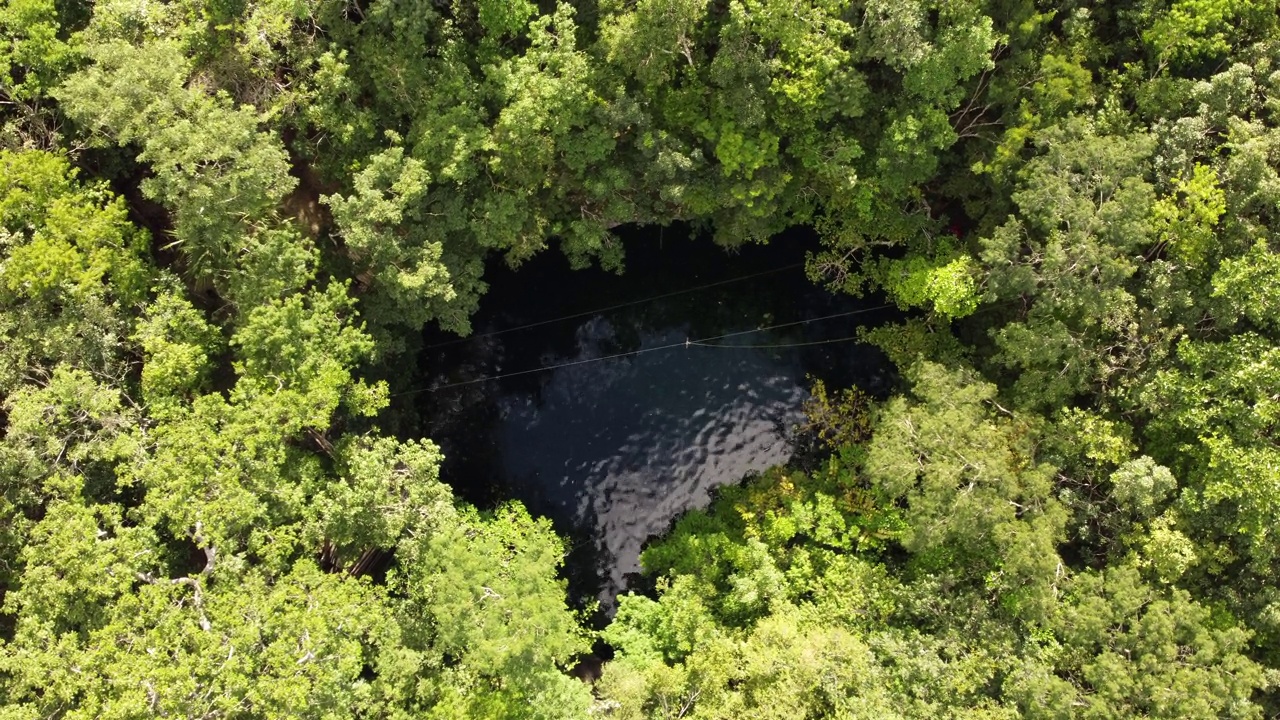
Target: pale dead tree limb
{"type": "Point", "coordinates": [366, 560]}
{"type": "Point", "coordinates": [688, 703]}
{"type": "Point", "coordinates": [836, 270]}
{"type": "Point", "coordinates": [1002, 408]}
{"type": "Point", "coordinates": [686, 49]}
{"type": "Point", "coordinates": [153, 698]}
{"type": "Point", "coordinates": [983, 81]}
{"type": "Point", "coordinates": [321, 441]}
{"type": "Point", "coordinates": [197, 591]}
{"type": "Point", "coordinates": [210, 552]}
{"type": "Point", "coordinates": [969, 120]}
{"type": "Point", "coordinates": [307, 655]}
{"type": "Point", "coordinates": [197, 596]}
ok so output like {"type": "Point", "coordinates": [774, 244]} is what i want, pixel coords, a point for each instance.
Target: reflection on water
{"type": "Point", "coordinates": [613, 450]}
{"type": "Point", "coordinates": [625, 445]}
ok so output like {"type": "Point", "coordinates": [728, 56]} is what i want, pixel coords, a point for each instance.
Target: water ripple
{"type": "Point", "coordinates": [622, 447]}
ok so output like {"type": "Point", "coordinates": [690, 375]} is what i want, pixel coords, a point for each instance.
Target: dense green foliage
{"type": "Point", "coordinates": [222, 221]}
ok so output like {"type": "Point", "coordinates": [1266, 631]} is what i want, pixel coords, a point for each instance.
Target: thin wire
{"type": "Point", "coordinates": [571, 363]}
{"type": "Point", "coordinates": [700, 342]}
{"type": "Point", "coordinates": [787, 324]}
{"type": "Point", "coordinates": [780, 345]}
{"type": "Point", "coordinates": [611, 308]}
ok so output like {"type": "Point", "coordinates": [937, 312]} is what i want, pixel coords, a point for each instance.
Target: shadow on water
{"type": "Point", "coordinates": [613, 449]}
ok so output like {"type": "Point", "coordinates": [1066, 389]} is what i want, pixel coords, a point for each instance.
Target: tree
{"type": "Point", "coordinates": [219, 174]}
{"type": "Point", "coordinates": [977, 495]}
{"type": "Point", "coordinates": [384, 229]}
{"type": "Point", "coordinates": [1069, 256]}
{"type": "Point", "coordinates": [74, 269]}
{"type": "Point", "coordinates": [496, 612]}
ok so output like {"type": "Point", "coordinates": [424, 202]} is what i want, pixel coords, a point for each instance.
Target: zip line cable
{"type": "Point", "coordinates": [700, 342]}
{"type": "Point", "coordinates": [780, 345]}
{"type": "Point", "coordinates": [619, 306]}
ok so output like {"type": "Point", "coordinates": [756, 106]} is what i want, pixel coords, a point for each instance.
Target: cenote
{"type": "Point", "coordinates": [613, 449]}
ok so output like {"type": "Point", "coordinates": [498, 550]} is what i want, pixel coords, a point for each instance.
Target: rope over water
{"type": "Point", "coordinates": [619, 306]}
{"type": "Point", "coordinates": [706, 342]}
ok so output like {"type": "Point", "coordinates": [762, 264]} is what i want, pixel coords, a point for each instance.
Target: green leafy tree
{"type": "Point", "coordinates": [1070, 256]}
{"type": "Point", "coordinates": [498, 622]}
{"type": "Point", "coordinates": [978, 497]}
{"type": "Point", "coordinates": [74, 268]}
{"type": "Point", "coordinates": [221, 176]}
{"type": "Point", "coordinates": [383, 227]}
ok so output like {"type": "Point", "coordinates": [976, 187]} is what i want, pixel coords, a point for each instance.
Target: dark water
{"type": "Point", "coordinates": [612, 449]}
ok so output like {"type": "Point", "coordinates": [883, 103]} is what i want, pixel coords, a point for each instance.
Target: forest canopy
{"type": "Point", "coordinates": [224, 224]}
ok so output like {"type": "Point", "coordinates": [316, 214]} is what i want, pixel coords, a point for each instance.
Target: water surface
{"type": "Point", "coordinates": [612, 449]}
